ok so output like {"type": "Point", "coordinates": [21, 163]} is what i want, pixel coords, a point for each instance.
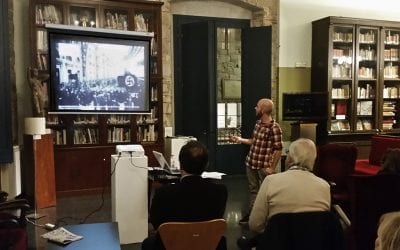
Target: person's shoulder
{"type": "Point", "coordinates": [275, 124]}
{"type": "Point", "coordinates": [321, 180]}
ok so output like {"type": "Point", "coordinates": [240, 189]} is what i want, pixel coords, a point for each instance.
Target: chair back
{"type": "Point", "coordinates": [335, 163]}
{"type": "Point", "coordinates": [371, 197]}
{"type": "Point", "coordinates": [306, 230]}
{"type": "Point", "coordinates": [203, 235]}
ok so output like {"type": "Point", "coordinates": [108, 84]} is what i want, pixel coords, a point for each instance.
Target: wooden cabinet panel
{"type": "Point", "coordinates": [38, 172]}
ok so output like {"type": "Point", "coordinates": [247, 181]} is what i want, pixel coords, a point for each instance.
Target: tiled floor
{"type": "Point", "coordinates": [74, 210]}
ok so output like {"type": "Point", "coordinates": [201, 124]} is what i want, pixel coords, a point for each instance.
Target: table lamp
{"type": "Point", "coordinates": [35, 126]}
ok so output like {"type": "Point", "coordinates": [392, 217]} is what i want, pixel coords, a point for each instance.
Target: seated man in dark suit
{"type": "Point", "coordinates": [192, 199]}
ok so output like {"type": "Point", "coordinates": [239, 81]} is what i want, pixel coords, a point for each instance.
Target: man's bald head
{"type": "Point", "coordinates": [265, 105]}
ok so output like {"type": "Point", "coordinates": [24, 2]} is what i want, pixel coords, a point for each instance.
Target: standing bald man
{"type": "Point", "coordinates": [265, 149]}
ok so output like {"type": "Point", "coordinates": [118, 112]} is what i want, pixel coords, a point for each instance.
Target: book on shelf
{"type": "Point", "coordinates": [392, 39]}
{"type": "Point", "coordinates": [391, 91]}
{"type": "Point", "coordinates": [391, 54]}
{"type": "Point", "coordinates": [388, 113]}
{"type": "Point", "coordinates": [365, 92]}
{"type": "Point", "coordinates": [359, 125]}
{"type": "Point", "coordinates": [391, 71]}
{"type": "Point", "coordinates": [341, 93]}
{"type": "Point", "coordinates": [342, 37]}
{"type": "Point", "coordinates": [60, 136]}
{"type": "Point", "coordinates": [367, 125]}
{"type": "Point", "coordinates": [47, 14]}
{"type": "Point", "coordinates": [366, 72]}
{"type": "Point", "coordinates": [367, 37]}
{"type": "Point", "coordinates": [341, 108]}
{"type": "Point", "coordinates": [340, 125]}
{"type": "Point", "coordinates": [364, 107]}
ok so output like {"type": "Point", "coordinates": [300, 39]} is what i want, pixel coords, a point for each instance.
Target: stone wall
{"type": "Point", "coordinates": [14, 112]}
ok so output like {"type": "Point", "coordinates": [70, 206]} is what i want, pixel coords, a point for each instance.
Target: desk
{"type": "Point", "coordinates": [99, 236]}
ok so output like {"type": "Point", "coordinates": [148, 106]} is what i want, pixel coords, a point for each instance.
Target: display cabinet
{"type": "Point", "coordinates": [96, 135]}
{"type": "Point", "coordinates": [356, 61]}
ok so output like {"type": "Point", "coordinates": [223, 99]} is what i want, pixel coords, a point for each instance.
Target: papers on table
{"type": "Point", "coordinates": [61, 236]}
{"type": "Point", "coordinates": [212, 175]}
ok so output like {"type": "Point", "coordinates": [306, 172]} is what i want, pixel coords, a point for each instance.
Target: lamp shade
{"type": "Point", "coordinates": [35, 126]}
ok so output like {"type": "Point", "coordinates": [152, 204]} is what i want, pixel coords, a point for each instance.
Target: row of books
{"type": "Point", "coordinates": [389, 108]}
{"type": "Point", "coordinates": [53, 120]}
{"type": "Point", "coordinates": [119, 135]}
{"type": "Point", "coordinates": [392, 38]}
{"type": "Point", "coordinates": [365, 92]}
{"type": "Point", "coordinates": [391, 54]}
{"type": "Point", "coordinates": [340, 125]}
{"type": "Point", "coordinates": [368, 37]}
{"type": "Point", "coordinates": [48, 14]}
{"type": "Point", "coordinates": [368, 54]}
{"type": "Point", "coordinates": [86, 136]}
{"type": "Point", "coordinates": [147, 133]}
{"type": "Point", "coordinates": [60, 137]}
{"type": "Point", "coordinates": [341, 93]}
{"type": "Point", "coordinates": [151, 118]}
{"type": "Point", "coordinates": [153, 94]}
{"type": "Point", "coordinates": [391, 71]}
{"type": "Point", "coordinates": [340, 53]}
{"type": "Point", "coordinates": [41, 40]}
{"type": "Point", "coordinates": [116, 21]}
{"type": "Point", "coordinates": [342, 37]}
{"type": "Point", "coordinates": [391, 92]}
{"type": "Point", "coordinates": [118, 120]}
{"type": "Point", "coordinates": [341, 70]}
{"type": "Point", "coordinates": [86, 119]}
{"type": "Point", "coordinates": [42, 61]}
{"type": "Point", "coordinates": [366, 72]}
{"type": "Point", "coordinates": [361, 125]}
{"type": "Point", "coordinates": [364, 124]}
{"type": "Point", "coordinates": [388, 124]}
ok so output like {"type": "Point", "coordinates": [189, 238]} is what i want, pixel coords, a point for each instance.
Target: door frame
{"type": "Point", "coordinates": [178, 21]}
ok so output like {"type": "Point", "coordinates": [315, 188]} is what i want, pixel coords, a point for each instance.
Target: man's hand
{"type": "Point", "coordinates": [235, 139]}
{"type": "Point", "coordinates": [268, 170]}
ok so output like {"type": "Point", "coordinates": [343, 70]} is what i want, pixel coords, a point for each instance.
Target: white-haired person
{"type": "Point", "coordinates": [295, 190]}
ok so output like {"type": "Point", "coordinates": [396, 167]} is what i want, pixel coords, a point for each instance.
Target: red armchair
{"type": "Point", "coordinates": [371, 197]}
{"type": "Point", "coordinates": [12, 223]}
{"type": "Point", "coordinates": [335, 163]}
{"type": "Point", "coordinates": [379, 145]}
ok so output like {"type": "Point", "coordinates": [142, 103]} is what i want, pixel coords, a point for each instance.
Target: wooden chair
{"type": "Point", "coordinates": [203, 235]}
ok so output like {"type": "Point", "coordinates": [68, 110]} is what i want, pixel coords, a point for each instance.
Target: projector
{"type": "Point", "coordinates": [134, 150]}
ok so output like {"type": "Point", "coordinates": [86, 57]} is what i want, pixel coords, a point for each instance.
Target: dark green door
{"type": "Point", "coordinates": [198, 95]}
{"type": "Point", "coordinates": [200, 90]}
{"type": "Point", "coordinates": [255, 84]}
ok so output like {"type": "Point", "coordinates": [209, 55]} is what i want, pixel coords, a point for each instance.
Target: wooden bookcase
{"type": "Point", "coordinates": [83, 143]}
{"type": "Point", "coordinates": [357, 62]}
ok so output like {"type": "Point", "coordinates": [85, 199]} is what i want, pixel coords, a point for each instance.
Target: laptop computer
{"type": "Point", "coordinates": [164, 164]}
